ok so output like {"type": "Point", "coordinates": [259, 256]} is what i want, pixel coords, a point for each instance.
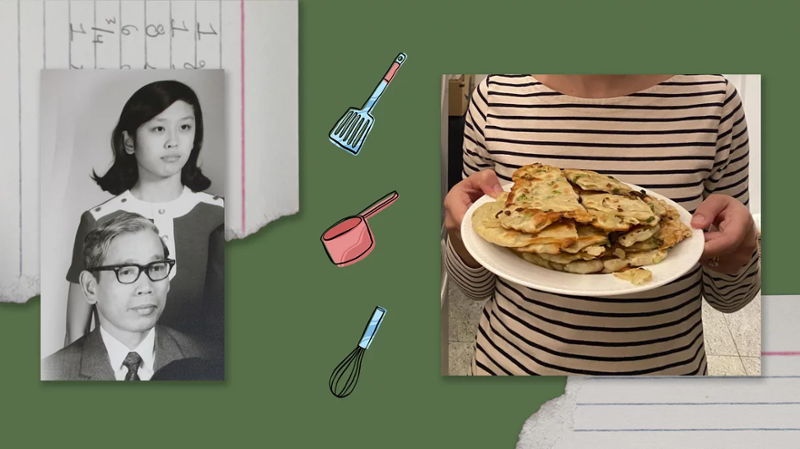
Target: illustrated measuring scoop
{"type": "Point", "coordinates": [350, 239]}
{"type": "Point", "coordinates": [350, 132]}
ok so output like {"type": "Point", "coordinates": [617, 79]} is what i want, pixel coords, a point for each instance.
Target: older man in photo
{"type": "Point", "coordinates": [127, 279]}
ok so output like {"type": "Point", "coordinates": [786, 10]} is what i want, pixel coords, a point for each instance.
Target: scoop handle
{"type": "Point", "coordinates": [377, 206]}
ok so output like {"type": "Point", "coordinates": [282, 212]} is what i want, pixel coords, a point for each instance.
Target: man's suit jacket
{"type": "Point", "coordinates": [87, 358]}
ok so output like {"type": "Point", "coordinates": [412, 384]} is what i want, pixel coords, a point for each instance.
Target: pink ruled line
{"type": "Point", "coordinates": [783, 353]}
{"type": "Point", "coordinates": [242, 112]}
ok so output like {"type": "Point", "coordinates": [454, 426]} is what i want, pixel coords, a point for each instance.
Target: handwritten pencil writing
{"type": "Point", "coordinates": [201, 32]}
{"type": "Point", "coordinates": [151, 35]}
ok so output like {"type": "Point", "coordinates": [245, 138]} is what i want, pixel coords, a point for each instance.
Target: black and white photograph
{"type": "Point", "coordinates": [132, 225]}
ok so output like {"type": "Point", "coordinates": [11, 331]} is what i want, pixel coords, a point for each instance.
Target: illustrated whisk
{"type": "Point", "coordinates": [344, 378]}
{"type": "Point", "coordinates": [353, 362]}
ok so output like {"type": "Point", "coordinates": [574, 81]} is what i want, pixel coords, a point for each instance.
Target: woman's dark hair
{"type": "Point", "coordinates": [143, 106]}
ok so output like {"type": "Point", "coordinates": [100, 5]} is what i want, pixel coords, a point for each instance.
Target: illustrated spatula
{"type": "Point", "coordinates": [350, 132]}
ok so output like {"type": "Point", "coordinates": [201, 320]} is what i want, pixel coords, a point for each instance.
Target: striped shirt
{"type": "Point", "coordinates": [684, 138]}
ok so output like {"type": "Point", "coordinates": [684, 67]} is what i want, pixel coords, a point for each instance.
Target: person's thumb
{"type": "Point", "coordinates": [487, 182]}
{"type": "Point", "coordinates": [708, 211]}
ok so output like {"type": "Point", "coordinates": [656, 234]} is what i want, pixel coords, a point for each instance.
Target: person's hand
{"type": "Point", "coordinates": [728, 247]}
{"type": "Point", "coordinates": [466, 192]}
{"type": "Point", "coordinates": [460, 198]}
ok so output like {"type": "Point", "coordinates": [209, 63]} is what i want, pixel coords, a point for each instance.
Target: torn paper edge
{"type": "Point", "coordinates": [19, 290]}
{"type": "Point", "coordinates": [232, 233]}
{"type": "Point", "coordinates": [14, 290]}
{"type": "Point", "coordinates": [270, 172]}
{"type": "Point", "coordinates": [23, 288]}
{"type": "Point", "coordinates": [554, 420]}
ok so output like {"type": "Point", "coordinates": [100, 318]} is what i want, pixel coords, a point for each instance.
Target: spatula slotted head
{"type": "Point", "coordinates": [351, 130]}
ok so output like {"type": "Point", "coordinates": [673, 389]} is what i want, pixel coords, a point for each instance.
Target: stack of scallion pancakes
{"type": "Point", "coordinates": [581, 222]}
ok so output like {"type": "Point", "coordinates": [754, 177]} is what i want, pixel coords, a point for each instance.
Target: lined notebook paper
{"type": "Point", "coordinates": [255, 42]}
{"type": "Point", "coordinates": [754, 412]}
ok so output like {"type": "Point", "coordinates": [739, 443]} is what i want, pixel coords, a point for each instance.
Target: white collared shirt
{"type": "Point", "coordinates": [117, 352]}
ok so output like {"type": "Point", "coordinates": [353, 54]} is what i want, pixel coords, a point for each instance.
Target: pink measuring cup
{"type": "Point", "coordinates": [350, 239]}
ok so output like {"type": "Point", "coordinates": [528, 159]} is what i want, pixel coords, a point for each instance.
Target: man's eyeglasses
{"type": "Point", "coordinates": [129, 273]}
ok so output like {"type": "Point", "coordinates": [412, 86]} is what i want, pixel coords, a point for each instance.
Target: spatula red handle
{"type": "Point", "coordinates": [398, 61]}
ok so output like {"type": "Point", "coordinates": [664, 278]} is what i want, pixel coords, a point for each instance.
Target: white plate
{"type": "Point", "coordinates": [505, 263]}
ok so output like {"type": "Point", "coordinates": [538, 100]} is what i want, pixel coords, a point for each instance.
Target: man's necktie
{"type": "Point", "coordinates": [132, 362]}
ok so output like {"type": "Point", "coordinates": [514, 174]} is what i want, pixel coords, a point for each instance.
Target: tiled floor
{"type": "Point", "coordinates": [732, 341]}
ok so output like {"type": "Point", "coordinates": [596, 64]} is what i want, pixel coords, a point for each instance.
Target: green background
{"type": "Point", "coordinates": [292, 316]}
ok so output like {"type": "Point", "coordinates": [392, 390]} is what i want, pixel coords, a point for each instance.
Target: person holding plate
{"type": "Point", "coordinates": [681, 136]}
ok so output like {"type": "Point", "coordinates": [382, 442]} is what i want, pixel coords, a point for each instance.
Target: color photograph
{"type": "Point", "coordinates": [602, 225]}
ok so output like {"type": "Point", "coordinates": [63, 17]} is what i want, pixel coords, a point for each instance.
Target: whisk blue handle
{"type": "Point", "coordinates": [372, 327]}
